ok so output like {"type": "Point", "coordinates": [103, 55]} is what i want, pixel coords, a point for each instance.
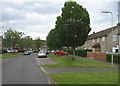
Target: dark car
{"type": "Point", "coordinates": [60, 53]}
{"type": "Point", "coordinates": [27, 52]}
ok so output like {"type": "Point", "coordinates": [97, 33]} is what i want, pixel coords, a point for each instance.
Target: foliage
{"type": "Point", "coordinates": [26, 42]}
{"type": "Point", "coordinates": [72, 27]}
{"type": "Point", "coordinates": [74, 22]}
{"type": "Point", "coordinates": [15, 39]}
{"type": "Point", "coordinates": [116, 58]}
{"type": "Point", "coordinates": [53, 40]}
{"type": "Point", "coordinates": [37, 42]}
{"type": "Point", "coordinates": [11, 38]}
{"type": "Point", "coordinates": [78, 52]}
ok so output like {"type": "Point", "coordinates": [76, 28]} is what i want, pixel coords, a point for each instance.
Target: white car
{"type": "Point", "coordinates": [42, 54]}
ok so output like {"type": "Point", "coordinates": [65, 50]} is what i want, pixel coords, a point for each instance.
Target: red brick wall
{"type": "Point", "coordinates": [97, 56]}
{"type": "Point", "coordinates": [90, 55]}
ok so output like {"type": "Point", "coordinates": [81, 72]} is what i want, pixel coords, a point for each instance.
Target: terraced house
{"type": "Point", "coordinates": [104, 41]}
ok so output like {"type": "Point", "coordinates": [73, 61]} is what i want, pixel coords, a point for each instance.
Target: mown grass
{"type": "Point", "coordinates": [66, 61]}
{"type": "Point", "coordinates": [10, 55]}
{"type": "Point", "coordinates": [86, 78]}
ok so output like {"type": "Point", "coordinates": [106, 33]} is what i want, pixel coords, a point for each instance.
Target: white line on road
{"type": "Point", "coordinates": [48, 77]}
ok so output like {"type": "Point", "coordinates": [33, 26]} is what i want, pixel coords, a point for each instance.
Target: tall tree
{"type": "Point", "coordinates": [53, 40]}
{"type": "Point", "coordinates": [73, 25]}
{"type": "Point", "coordinates": [11, 38]}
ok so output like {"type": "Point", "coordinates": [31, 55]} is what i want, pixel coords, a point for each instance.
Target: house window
{"type": "Point", "coordinates": [114, 37]}
{"type": "Point", "coordinates": [98, 40]}
{"type": "Point", "coordinates": [93, 40]}
{"type": "Point", "coordinates": [103, 38]}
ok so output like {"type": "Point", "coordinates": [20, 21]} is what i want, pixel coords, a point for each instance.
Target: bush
{"type": "Point", "coordinates": [4, 51]}
{"type": "Point", "coordinates": [82, 53]}
{"type": "Point", "coordinates": [79, 52]}
{"type": "Point", "coordinates": [116, 58]}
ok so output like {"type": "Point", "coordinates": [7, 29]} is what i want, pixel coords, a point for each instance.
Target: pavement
{"type": "Point", "coordinates": [23, 70]}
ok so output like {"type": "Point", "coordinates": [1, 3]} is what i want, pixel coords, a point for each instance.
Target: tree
{"type": "Point", "coordinates": [37, 42]}
{"type": "Point", "coordinates": [53, 40]}
{"type": "Point", "coordinates": [73, 26]}
{"type": "Point", "coordinates": [26, 42]}
{"type": "Point", "coordinates": [11, 38]}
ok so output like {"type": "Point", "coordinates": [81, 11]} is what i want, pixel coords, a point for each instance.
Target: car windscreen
{"type": "Point", "coordinates": [41, 52]}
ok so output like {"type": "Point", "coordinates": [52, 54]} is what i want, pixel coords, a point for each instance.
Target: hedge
{"type": "Point", "coordinates": [79, 52]}
{"type": "Point", "coordinates": [116, 58]}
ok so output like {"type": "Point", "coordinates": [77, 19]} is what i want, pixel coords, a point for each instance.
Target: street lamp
{"type": "Point", "coordinates": [112, 32]}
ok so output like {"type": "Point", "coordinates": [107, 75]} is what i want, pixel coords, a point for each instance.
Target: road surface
{"type": "Point", "coordinates": [23, 70]}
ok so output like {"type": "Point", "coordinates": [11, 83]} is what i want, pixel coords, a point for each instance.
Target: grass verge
{"type": "Point", "coordinates": [10, 55]}
{"type": "Point", "coordinates": [65, 61]}
{"type": "Point", "coordinates": [86, 78]}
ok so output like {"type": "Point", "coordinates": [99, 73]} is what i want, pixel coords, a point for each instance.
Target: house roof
{"type": "Point", "coordinates": [100, 34]}
{"type": "Point", "coordinates": [96, 45]}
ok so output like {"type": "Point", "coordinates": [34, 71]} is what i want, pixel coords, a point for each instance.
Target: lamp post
{"type": "Point", "coordinates": [112, 32]}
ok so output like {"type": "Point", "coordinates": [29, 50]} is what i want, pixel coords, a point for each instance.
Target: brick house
{"type": "Point", "coordinates": [103, 41]}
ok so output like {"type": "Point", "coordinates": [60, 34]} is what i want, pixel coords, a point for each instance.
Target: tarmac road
{"type": "Point", "coordinates": [23, 70]}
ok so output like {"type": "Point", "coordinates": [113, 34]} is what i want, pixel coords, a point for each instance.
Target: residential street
{"type": "Point", "coordinates": [23, 70]}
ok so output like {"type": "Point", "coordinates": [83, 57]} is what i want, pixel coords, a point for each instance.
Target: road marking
{"type": "Point", "coordinates": [48, 77]}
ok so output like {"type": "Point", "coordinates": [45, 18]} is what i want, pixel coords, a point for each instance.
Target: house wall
{"type": "Point", "coordinates": [89, 43]}
{"type": "Point", "coordinates": [107, 45]}
{"type": "Point", "coordinates": [119, 43]}
{"type": "Point", "coordinates": [110, 42]}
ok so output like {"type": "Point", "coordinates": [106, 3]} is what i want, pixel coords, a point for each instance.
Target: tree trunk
{"type": "Point", "coordinates": [73, 53]}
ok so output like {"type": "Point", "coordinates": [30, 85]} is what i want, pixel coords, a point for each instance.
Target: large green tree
{"type": "Point", "coordinates": [11, 38]}
{"type": "Point", "coordinates": [53, 40]}
{"type": "Point", "coordinates": [73, 26]}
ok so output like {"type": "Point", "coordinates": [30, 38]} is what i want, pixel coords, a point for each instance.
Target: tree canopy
{"type": "Point", "coordinates": [11, 38]}
{"type": "Point", "coordinates": [72, 26]}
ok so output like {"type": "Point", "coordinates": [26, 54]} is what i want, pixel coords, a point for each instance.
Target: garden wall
{"type": "Point", "coordinates": [97, 56]}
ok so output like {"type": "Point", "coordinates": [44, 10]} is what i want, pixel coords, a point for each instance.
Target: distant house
{"type": "Point", "coordinates": [44, 45]}
{"type": "Point", "coordinates": [103, 41]}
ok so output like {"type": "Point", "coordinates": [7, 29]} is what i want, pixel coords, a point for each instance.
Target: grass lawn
{"type": "Point", "coordinates": [10, 55]}
{"type": "Point", "coordinates": [65, 61]}
{"type": "Point", "coordinates": [86, 78]}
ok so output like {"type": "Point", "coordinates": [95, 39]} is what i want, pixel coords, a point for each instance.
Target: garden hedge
{"type": "Point", "coordinates": [116, 58]}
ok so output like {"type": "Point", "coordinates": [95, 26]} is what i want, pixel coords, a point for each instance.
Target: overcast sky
{"type": "Point", "coordinates": [37, 17]}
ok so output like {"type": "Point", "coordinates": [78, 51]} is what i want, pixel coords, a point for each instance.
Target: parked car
{"type": "Point", "coordinates": [42, 53]}
{"type": "Point", "coordinates": [60, 53]}
{"type": "Point", "coordinates": [27, 52]}
{"type": "Point", "coordinates": [12, 50]}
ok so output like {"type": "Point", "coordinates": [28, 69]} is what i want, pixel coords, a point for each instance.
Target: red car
{"type": "Point", "coordinates": [60, 53]}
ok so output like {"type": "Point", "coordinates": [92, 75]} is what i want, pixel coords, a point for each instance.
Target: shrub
{"type": "Point", "coordinates": [83, 52]}
{"type": "Point", "coordinates": [4, 51]}
{"type": "Point", "coordinates": [116, 58]}
{"type": "Point", "coordinates": [80, 52]}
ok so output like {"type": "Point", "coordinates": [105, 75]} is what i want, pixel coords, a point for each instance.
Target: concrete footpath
{"type": "Point", "coordinates": [41, 61]}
